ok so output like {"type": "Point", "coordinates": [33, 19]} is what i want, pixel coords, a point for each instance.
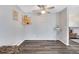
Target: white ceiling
{"type": "Point", "coordinates": [30, 8]}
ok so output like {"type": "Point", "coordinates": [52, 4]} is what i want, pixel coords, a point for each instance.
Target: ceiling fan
{"type": "Point", "coordinates": [43, 9]}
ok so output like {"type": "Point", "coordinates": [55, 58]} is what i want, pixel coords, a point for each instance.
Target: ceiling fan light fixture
{"type": "Point", "coordinates": [43, 12]}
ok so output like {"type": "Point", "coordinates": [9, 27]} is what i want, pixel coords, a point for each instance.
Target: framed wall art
{"type": "Point", "coordinates": [26, 20]}
{"type": "Point", "coordinates": [15, 15]}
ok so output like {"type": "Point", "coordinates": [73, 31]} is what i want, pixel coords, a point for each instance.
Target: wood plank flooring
{"type": "Point", "coordinates": [46, 47]}
{"type": "Point", "coordinates": [42, 47]}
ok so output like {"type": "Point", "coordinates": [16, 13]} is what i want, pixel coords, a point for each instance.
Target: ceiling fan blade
{"type": "Point", "coordinates": [41, 6]}
{"type": "Point", "coordinates": [50, 7]}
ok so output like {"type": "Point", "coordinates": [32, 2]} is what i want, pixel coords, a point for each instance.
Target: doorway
{"type": "Point", "coordinates": [73, 36]}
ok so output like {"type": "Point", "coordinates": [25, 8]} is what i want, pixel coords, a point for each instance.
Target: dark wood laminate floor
{"type": "Point", "coordinates": [71, 42]}
{"type": "Point", "coordinates": [47, 47]}
{"type": "Point", "coordinates": [43, 47]}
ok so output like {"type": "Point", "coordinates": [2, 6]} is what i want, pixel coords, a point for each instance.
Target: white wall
{"type": "Point", "coordinates": [73, 16]}
{"type": "Point", "coordinates": [42, 27]}
{"type": "Point", "coordinates": [20, 28]}
{"type": "Point", "coordinates": [11, 32]}
{"type": "Point", "coordinates": [63, 34]}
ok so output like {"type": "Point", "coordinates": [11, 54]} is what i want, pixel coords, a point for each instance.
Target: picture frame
{"type": "Point", "coordinates": [26, 20]}
{"type": "Point", "coordinates": [15, 15]}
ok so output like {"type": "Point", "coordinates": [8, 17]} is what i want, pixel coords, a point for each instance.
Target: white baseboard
{"type": "Point", "coordinates": [75, 40]}
{"type": "Point", "coordinates": [19, 42]}
{"type": "Point", "coordinates": [64, 42]}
